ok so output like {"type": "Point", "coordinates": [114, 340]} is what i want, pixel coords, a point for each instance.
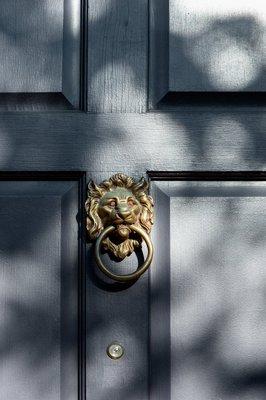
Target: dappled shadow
{"type": "Point", "coordinates": [31, 46]}
{"type": "Point", "coordinates": [192, 138]}
{"type": "Point", "coordinates": [217, 297]}
{"type": "Point", "coordinates": [225, 56]}
{"type": "Point", "coordinates": [30, 297]}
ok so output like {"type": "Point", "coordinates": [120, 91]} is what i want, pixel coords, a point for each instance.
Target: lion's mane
{"type": "Point", "coordinates": [96, 192]}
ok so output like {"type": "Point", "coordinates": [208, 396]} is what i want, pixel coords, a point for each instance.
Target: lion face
{"type": "Point", "coordinates": [119, 207]}
{"type": "Point", "coordinates": [120, 202]}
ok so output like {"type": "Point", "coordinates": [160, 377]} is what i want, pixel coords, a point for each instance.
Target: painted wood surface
{"type": "Point", "coordinates": [70, 372]}
{"type": "Point", "coordinates": [31, 37]}
{"type": "Point", "coordinates": [30, 297]}
{"type": "Point", "coordinates": [158, 51]}
{"type": "Point", "coordinates": [119, 137]}
{"type": "Point", "coordinates": [217, 46]}
{"type": "Point", "coordinates": [192, 139]}
{"type": "Point", "coordinates": [117, 52]}
{"type": "Point", "coordinates": [160, 355]}
{"type": "Point", "coordinates": [47, 101]}
{"type": "Point", "coordinates": [117, 312]}
{"type": "Point", "coordinates": [217, 286]}
{"type": "Point", "coordinates": [71, 51]}
{"type": "Point", "coordinates": [216, 240]}
{"type": "Point", "coordinates": [39, 294]}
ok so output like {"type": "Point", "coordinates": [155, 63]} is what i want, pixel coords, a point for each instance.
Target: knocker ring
{"type": "Point", "coordinates": [116, 208]}
{"type": "Point", "coordinates": [133, 276]}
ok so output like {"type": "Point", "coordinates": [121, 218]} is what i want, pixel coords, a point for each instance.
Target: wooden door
{"type": "Point", "coordinates": [153, 88]}
{"type": "Point", "coordinates": [207, 286]}
{"type": "Point", "coordinates": [41, 285]}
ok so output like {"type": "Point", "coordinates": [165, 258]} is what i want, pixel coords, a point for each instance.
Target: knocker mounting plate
{"type": "Point", "coordinates": [119, 217]}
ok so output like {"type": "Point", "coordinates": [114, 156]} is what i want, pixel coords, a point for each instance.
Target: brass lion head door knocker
{"type": "Point", "coordinates": [119, 217]}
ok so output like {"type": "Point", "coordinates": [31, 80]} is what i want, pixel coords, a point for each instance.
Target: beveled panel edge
{"type": "Point", "coordinates": [80, 177]}
{"type": "Point", "coordinates": [206, 175]}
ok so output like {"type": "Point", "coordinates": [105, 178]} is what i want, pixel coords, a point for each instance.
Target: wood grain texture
{"type": "Point", "coordinates": [117, 51]}
{"type": "Point", "coordinates": [217, 47]}
{"type": "Point", "coordinates": [39, 288]}
{"type": "Point", "coordinates": [192, 138]}
{"type": "Point", "coordinates": [30, 297]}
{"type": "Point", "coordinates": [69, 377]}
{"type": "Point", "coordinates": [158, 51]}
{"type": "Point", "coordinates": [31, 45]}
{"type": "Point", "coordinates": [160, 361]}
{"type": "Point", "coordinates": [117, 312]}
{"type": "Point", "coordinates": [34, 102]}
{"type": "Point", "coordinates": [217, 285]}
{"type": "Point", "coordinates": [214, 139]}
{"type": "Point", "coordinates": [71, 51]}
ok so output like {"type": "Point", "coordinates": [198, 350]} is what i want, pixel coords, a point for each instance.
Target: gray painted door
{"type": "Point", "coordinates": [207, 288]}
{"type": "Point", "coordinates": [105, 86]}
{"type": "Point", "coordinates": [39, 264]}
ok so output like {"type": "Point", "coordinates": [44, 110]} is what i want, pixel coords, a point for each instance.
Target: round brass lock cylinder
{"type": "Point", "coordinates": [115, 351]}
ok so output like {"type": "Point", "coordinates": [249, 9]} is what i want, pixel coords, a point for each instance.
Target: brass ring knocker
{"type": "Point", "coordinates": [114, 209]}
{"type": "Point", "coordinates": [133, 276]}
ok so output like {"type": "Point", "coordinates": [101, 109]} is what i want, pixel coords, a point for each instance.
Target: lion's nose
{"type": "Point", "coordinates": [123, 211]}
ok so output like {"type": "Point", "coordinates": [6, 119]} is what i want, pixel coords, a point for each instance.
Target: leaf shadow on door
{"type": "Point", "coordinates": [30, 296]}
{"type": "Point", "coordinates": [212, 138]}
{"type": "Point", "coordinates": [217, 297]}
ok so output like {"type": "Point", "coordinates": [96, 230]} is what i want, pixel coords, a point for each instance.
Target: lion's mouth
{"type": "Point", "coordinates": [121, 221]}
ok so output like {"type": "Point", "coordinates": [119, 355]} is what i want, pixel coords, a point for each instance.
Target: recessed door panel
{"type": "Point", "coordinates": [40, 54]}
{"type": "Point", "coordinates": [216, 46]}
{"type": "Point", "coordinates": [216, 276]}
{"type": "Point", "coordinates": [38, 296]}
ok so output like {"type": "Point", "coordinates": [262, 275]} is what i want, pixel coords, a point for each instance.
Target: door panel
{"type": "Point", "coordinates": [216, 276]}
{"type": "Point", "coordinates": [216, 47]}
{"type": "Point", "coordinates": [39, 290]}
{"type": "Point", "coordinates": [200, 51]}
{"type": "Point", "coordinates": [27, 31]}
{"type": "Point", "coordinates": [41, 55]}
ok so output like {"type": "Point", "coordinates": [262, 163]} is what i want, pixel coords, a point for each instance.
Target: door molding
{"type": "Point", "coordinates": [160, 340]}
{"type": "Point", "coordinates": [207, 175]}
{"type": "Point", "coordinates": [80, 178]}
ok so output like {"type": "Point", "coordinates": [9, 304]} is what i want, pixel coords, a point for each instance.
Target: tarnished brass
{"type": "Point", "coordinates": [115, 351]}
{"type": "Point", "coordinates": [120, 217]}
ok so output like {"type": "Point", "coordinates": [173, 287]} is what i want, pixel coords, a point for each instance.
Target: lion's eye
{"type": "Point", "coordinates": [130, 203]}
{"type": "Point", "coordinates": [112, 203]}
